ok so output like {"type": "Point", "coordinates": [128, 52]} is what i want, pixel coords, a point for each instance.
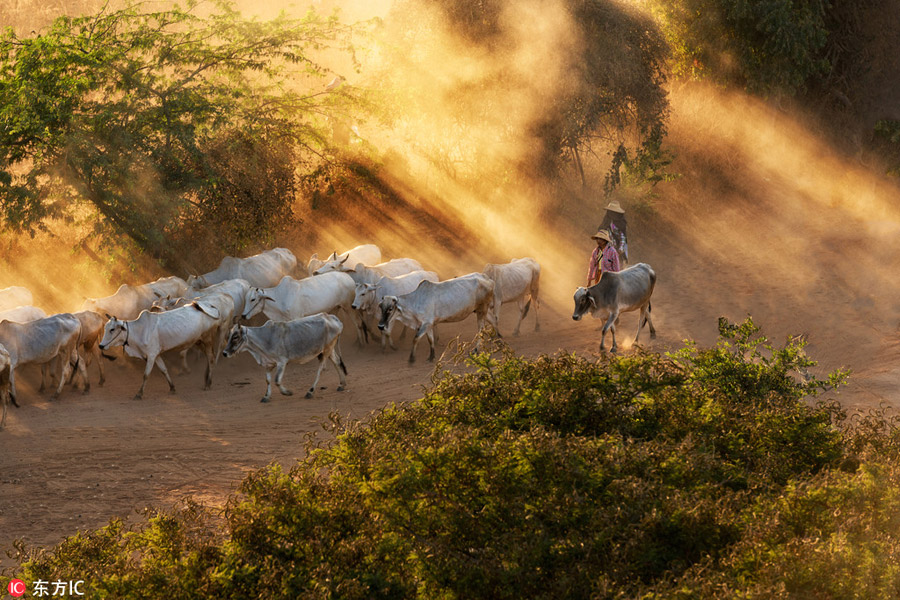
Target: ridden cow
{"type": "Point", "coordinates": [367, 254]}
{"type": "Point", "coordinates": [22, 314]}
{"type": "Point", "coordinates": [514, 281]}
{"type": "Point", "coordinates": [432, 303]}
{"type": "Point", "coordinates": [129, 300]}
{"type": "Point", "coordinates": [151, 334]}
{"type": "Point", "coordinates": [369, 295]}
{"type": "Point", "coordinates": [14, 296]}
{"type": "Point", "coordinates": [41, 341]}
{"type": "Point", "coordinates": [276, 343]}
{"type": "Point", "coordinates": [297, 298]}
{"type": "Point", "coordinates": [615, 293]}
{"type": "Point", "coordinates": [262, 270]}
{"type": "Point", "coordinates": [5, 391]}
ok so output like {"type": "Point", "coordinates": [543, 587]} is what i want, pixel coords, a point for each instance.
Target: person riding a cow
{"type": "Point", "coordinates": [614, 222]}
{"type": "Point", "coordinates": [603, 258]}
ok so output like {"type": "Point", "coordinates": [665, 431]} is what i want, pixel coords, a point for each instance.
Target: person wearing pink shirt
{"type": "Point", "coordinates": [603, 258]}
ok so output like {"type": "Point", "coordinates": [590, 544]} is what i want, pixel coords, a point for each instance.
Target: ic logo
{"type": "Point", "coordinates": [16, 588]}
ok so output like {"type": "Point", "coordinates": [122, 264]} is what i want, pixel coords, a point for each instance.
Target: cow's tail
{"type": "Point", "coordinates": [527, 306]}
{"type": "Point", "coordinates": [649, 307]}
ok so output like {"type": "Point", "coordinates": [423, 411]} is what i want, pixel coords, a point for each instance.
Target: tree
{"type": "Point", "coordinates": [153, 117]}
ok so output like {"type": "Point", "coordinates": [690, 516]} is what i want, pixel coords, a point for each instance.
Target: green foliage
{"type": "Point", "coordinates": [768, 46]}
{"type": "Point", "coordinates": [702, 473]}
{"type": "Point", "coordinates": [165, 121]}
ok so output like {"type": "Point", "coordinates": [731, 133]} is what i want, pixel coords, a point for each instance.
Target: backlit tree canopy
{"type": "Point", "coordinates": [164, 120]}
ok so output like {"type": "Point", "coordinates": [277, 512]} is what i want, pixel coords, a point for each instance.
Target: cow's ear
{"type": "Point", "coordinates": [315, 256]}
{"type": "Point", "coordinates": [593, 302]}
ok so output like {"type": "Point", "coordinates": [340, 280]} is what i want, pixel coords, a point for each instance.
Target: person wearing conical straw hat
{"type": "Point", "coordinates": [615, 223]}
{"type": "Point", "coordinates": [603, 258]}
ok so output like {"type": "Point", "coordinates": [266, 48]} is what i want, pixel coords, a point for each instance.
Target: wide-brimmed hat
{"type": "Point", "coordinates": [615, 207]}
{"type": "Point", "coordinates": [602, 235]}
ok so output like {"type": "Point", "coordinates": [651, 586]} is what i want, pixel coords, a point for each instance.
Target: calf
{"type": "Point", "coordinates": [618, 292]}
{"type": "Point", "coordinates": [276, 343]}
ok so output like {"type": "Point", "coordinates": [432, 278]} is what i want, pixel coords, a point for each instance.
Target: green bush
{"type": "Point", "coordinates": [700, 473]}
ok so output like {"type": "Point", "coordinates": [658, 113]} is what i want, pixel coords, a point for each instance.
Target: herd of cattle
{"type": "Point", "coordinates": [206, 311]}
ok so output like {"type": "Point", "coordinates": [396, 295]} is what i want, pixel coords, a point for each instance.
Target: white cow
{"type": "Point", "coordinates": [236, 288]}
{"type": "Point", "coordinates": [369, 295]}
{"type": "Point", "coordinates": [151, 334]}
{"type": "Point", "coordinates": [618, 292]}
{"type": "Point", "coordinates": [15, 296]}
{"type": "Point", "coordinates": [369, 274]}
{"type": "Point", "coordinates": [39, 342]}
{"type": "Point", "coordinates": [297, 298]}
{"type": "Point", "coordinates": [22, 314]}
{"type": "Point", "coordinates": [514, 281]}
{"type": "Point", "coordinates": [129, 300]}
{"type": "Point", "coordinates": [276, 343]}
{"type": "Point", "coordinates": [5, 389]}
{"type": "Point", "coordinates": [262, 270]}
{"type": "Point", "coordinates": [367, 254]}
{"type": "Point", "coordinates": [433, 303]}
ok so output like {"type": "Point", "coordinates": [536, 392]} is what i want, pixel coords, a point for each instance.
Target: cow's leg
{"type": "Point", "coordinates": [184, 364]}
{"type": "Point", "coordinates": [81, 367]}
{"type": "Point", "coordinates": [321, 358]}
{"type": "Point", "coordinates": [523, 310]}
{"type": "Point", "coordinates": [279, 376]}
{"type": "Point", "coordinates": [12, 385]}
{"type": "Point", "coordinates": [387, 334]}
{"type": "Point", "coordinates": [96, 352]}
{"type": "Point", "coordinates": [536, 303]}
{"type": "Point", "coordinates": [162, 367]}
{"type": "Point", "coordinates": [210, 351]}
{"type": "Point", "coordinates": [147, 369]}
{"type": "Point", "coordinates": [5, 403]}
{"type": "Point", "coordinates": [66, 367]}
{"type": "Point", "coordinates": [610, 326]}
{"type": "Point", "coordinates": [419, 333]}
{"type": "Point", "coordinates": [650, 322]}
{"type": "Point", "coordinates": [269, 373]}
{"type": "Point", "coordinates": [338, 361]}
{"type": "Point", "coordinates": [430, 335]}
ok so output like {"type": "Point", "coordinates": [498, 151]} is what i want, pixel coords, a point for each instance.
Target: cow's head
{"type": "Point", "coordinates": [236, 340]}
{"type": "Point", "coordinates": [584, 302]}
{"type": "Point", "coordinates": [196, 282]}
{"type": "Point", "coordinates": [390, 306]}
{"type": "Point", "coordinates": [332, 264]}
{"type": "Point", "coordinates": [253, 303]}
{"type": "Point", "coordinates": [365, 296]}
{"type": "Point", "coordinates": [115, 333]}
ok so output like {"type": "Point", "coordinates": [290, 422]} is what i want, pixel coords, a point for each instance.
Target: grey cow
{"type": "Point", "coordinates": [616, 293]}
{"type": "Point", "coordinates": [277, 343]}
